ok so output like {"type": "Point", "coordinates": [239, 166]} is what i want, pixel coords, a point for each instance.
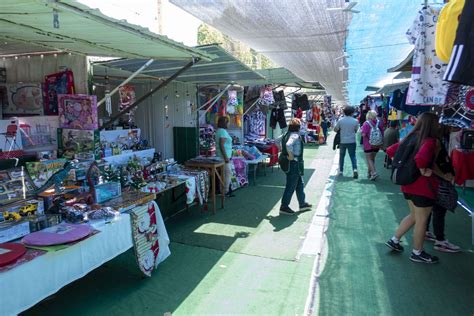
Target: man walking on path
{"type": "Point", "coordinates": [348, 127]}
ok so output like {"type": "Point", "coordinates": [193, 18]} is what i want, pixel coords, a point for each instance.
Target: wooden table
{"type": "Point", "coordinates": [214, 169]}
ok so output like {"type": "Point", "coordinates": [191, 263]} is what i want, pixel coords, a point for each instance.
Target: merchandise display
{"type": "Point", "coordinates": [77, 111]}
{"type": "Point", "coordinates": [11, 252]}
{"type": "Point", "coordinates": [56, 235]}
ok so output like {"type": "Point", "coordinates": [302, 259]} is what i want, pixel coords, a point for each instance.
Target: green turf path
{"type": "Point", "coordinates": [362, 277]}
{"type": "Point", "coordinates": [243, 260]}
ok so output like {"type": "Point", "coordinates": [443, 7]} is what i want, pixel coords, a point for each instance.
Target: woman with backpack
{"type": "Point", "coordinates": [421, 147]}
{"type": "Point", "coordinates": [372, 139]}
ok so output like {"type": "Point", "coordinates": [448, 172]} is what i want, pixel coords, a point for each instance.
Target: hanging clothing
{"type": "Point", "coordinates": [459, 112]}
{"type": "Point", "coordinates": [277, 116]}
{"type": "Point", "coordinates": [427, 86]}
{"type": "Point", "coordinates": [461, 68]}
{"type": "Point", "coordinates": [257, 123]}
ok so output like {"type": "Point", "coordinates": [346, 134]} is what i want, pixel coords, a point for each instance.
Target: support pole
{"type": "Point", "coordinates": [215, 100]}
{"type": "Point", "coordinates": [111, 93]}
{"type": "Point", "coordinates": [216, 97]}
{"type": "Point", "coordinates": [144, 97]}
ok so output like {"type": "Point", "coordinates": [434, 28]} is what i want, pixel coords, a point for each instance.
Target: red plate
{"type": "Point", "coordinates": [10, 252]}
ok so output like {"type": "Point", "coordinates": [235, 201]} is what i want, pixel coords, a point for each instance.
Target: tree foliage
{"type": "Point", "coordinates": [209, 35]}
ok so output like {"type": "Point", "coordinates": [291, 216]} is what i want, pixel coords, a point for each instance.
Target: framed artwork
{"type": "Point", "coordinates": [55, 84]}
{"type": "Point", "coordinates": [23, 99]}
{"type": "Point", "coordinates": [78, 111]}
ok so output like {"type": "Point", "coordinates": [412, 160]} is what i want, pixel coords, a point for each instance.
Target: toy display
{"type": "Point", "coordinates": [14, 185]}
{"type": "Point", "coordinates": [54, 85]}
{"type": "Point", "coordinates": [38, 131]}
{"type": "Point", "coordinates": [80, 144]}
{"type": "Point", "coordinates": [78, 111]}
{"type": "Point", "coordinates": [11, 230]}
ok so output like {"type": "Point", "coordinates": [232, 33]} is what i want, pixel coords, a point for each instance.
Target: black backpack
{"type": "Point", "coordinates": [404, 169]}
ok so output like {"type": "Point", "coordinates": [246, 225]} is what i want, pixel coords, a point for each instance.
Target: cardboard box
{"type": "Point", "coordinates": [72, 142]}
{"type": "Point", "coordinates": [16, 207]}
{"type": "Point", "coordinates": [13, 230]}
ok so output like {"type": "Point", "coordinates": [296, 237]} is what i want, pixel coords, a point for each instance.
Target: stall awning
{"type": "Point", "coordinates": [29, 26]}
{"type": "Point", "coordinates": [388, 88]}
{"type": "Point", "coordinates": [405, 65]}
{"type": "Point", "coordinates": [223, 69]}
{"type": "Point", "coordinates": [371, 88]}
{"type": "Point", "coordinates": [282, 76]}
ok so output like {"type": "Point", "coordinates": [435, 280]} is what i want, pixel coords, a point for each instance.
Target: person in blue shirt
{"type": "Point", "coordinates": [224, 150]}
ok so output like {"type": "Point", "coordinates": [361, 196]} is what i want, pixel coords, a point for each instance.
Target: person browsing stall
{"type": "Point", "coordinates": [224, 150]}
{"type": "Point", "coordinates": [292, 164]}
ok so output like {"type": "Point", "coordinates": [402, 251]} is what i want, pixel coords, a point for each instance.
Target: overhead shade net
{"type": "Point", "coordinates": [377, 41]}
{"type": "Point", "coordinates": [224, 68]}
{"type": "Point", "coordinates": [47, 26]}
{"type": "Point", "coordinates": [301, 36]}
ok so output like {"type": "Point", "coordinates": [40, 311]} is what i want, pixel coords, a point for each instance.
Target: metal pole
{"type": "Point", "coordinates": [217, 96]}
{"type": "Point", "coordinates": [111, 93]}
{"type": "Point", "coordinates": [144, 97]}
{"type": "Point", "coordinates": [250, 107]}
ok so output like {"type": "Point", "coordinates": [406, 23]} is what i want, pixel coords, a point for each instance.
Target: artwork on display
{"type": "Point", "coordinates": [22, 99]}
{"type": "Point", "coordinates": [39, 131]}
{"type": "Point", "coordinates": [55, 84]}
{"type": "Point", "coordinates": [78, 111]}
{"type": "Point", "coordinates": [150, 238]}
{"type": "Point", "coordinates": [79, 144]}
{"type": "Point", "coordinates": [127, 96]}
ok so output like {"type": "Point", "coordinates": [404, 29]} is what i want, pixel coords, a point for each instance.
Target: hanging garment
{"type": "Point", "coordinates": [460, 111]}
{"type": "Point", "coordinates": [309, 116]}
{"type": "Point", "coordinates": [427, 86]}
{"type": "Point", "coordinates": [277, 116]}
{"type": "Point", "coordinates": [446, 28]}
{"type": "Point", "coordinates": [461, 66]}
{"type": "Point", "coordinates": [300, 101]}
{"type": "Point", "coordinates": [280, 100]}
{"type": "Point", "coordinates": [257, 123]}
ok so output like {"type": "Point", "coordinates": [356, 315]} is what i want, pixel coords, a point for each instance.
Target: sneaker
{"type": "Point", "coordinates": [305, 206]}
{"type": "Point", "coordinates": [430, 236]}
{"type": "Point", "coordinates": [394, 245]}
{"type": "Point", "coordinates": [423, 257]}
{"type": "Point", "coordinates": [356, 174]}
{"type": "Point", "coordinates": [446, 246]}
{"type": "Point", "coordinates": [373, 176]}
{"type": "Point", "coordinates": [286, 211]}
{"type": "Point", "coordinates": [339, 173]}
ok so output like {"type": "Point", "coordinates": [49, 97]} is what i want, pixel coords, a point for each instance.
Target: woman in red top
{"type": "Point", "coordinates": [420, 194]}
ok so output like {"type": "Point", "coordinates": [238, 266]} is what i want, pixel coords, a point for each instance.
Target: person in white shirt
{"type": "Point", "coordinates": [348, 127]}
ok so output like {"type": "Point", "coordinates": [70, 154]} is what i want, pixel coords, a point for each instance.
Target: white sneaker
{"type": "Point", "coordinates": [446, 246]}
{"type": "Point", "coordinates": [430, 236]}
{"type": "Point", "coordinates": [373, 176]}
{"type": "Point", "coordinates": [339, 173]}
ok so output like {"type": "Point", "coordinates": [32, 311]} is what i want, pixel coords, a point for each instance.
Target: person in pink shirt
{"type": "Point", "coordinates": [372, 146]}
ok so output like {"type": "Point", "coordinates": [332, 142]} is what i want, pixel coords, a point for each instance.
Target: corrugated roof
{"type": "Point", "coordinates": [223, 69]}
{"type": "Point", "coordinates": [36, 26]}
{"type": "Point", "coordinates": [405, 65]}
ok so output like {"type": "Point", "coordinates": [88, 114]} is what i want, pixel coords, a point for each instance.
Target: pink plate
{"type": "Point", "coordinates": [56, 235]}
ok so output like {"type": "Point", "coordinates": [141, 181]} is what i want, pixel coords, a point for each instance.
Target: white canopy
{"type": "Point", "coordinates": [302, 36]}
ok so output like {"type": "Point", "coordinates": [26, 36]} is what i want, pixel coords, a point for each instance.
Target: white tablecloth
{"type": "Point", "coordinates": [25, 285]}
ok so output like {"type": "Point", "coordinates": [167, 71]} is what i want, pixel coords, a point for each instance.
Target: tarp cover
{"type": "Point", "coordinates": [301, 36]}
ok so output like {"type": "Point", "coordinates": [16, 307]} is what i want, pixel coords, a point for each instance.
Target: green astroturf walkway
{"type": "Point", "coordinates": [243, 260]}
{"type": "Point", "coordinates": [362, 277]}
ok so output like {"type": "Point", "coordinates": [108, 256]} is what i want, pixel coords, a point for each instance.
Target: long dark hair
{"type": "Point", "coordinates": [427, 126]}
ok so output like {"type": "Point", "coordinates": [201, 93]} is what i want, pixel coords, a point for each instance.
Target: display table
{"type": "Point", "coordinates": [29, 283]}
{"type": "Point", "coordinates": [214, 169]}
{"type": "Point", "coordinates": [253, 166]}
{"type": "Point", "coordinates": [463, 163]}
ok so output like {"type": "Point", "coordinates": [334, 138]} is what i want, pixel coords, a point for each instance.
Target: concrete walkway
{"type": "Point", "coordinates": [246, 259]}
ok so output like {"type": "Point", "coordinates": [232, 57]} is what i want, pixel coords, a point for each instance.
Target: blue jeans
{"type": "Point", "coordinates": [294, 181]}
{"type": "Point", "coordinates": [351, 148]}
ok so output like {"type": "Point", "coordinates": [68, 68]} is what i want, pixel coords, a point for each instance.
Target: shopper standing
{"type": "Point", "coordinates": [420, 194]}
{"type": "Point", "coordinates": [372, 138]}
{"type": "Point", "coordinates": [293, 166]}
{"type": "Point", "coordinates": [348, 127]}
{"type": "Point", "coordinates": [224, 150]}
